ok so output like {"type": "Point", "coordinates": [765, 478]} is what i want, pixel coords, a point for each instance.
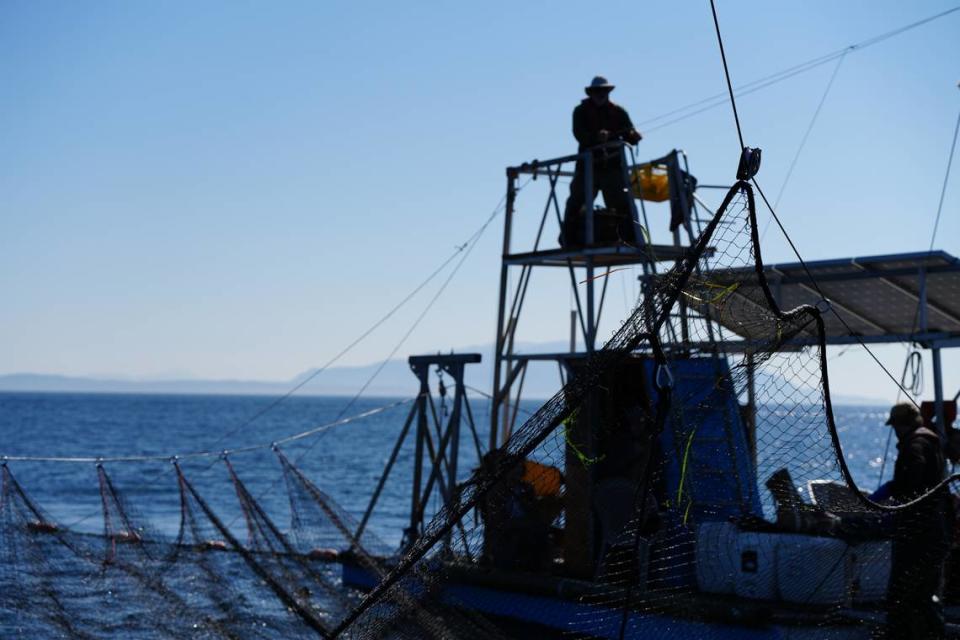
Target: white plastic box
{"type": "Point", "coordinates": [871, 571]}
{"type": "Point", "coordinates": [730, 561]}
{"type": "Point", "coordinates": [790, 567]}
{"type": "Point", "coordinates": [813, 570]}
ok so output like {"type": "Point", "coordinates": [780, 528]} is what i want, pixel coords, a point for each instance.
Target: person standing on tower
{"type": "Point", "coordinates": [597, 121]}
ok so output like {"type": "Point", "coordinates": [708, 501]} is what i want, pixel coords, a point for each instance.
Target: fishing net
{"type": "Point", "coordinates": [642, 500]}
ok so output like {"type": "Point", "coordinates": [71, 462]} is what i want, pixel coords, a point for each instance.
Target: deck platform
{"type": "Point", "coordinates": [601, 255]}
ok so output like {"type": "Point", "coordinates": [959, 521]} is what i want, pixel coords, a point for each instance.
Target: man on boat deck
{"type": "Point", "coordinates": [922, 533]}
{"type": "Point", "coordinates": [597, 121]}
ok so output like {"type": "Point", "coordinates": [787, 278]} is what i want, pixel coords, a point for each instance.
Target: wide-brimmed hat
{"type": "Point", "coordinates": [904, 414]}
{"type": "Point", "coordinates": [599, 83]}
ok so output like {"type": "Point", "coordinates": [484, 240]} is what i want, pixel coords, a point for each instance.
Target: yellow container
{"type": "Point", "coordinates": [650, 182]}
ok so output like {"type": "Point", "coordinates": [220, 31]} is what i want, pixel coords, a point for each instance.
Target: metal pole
{"type": "Point", "coordinates": [752, 406]}
{"type": "Point", "coordinates": [591, 319]}
{"type": "Point", "coordinates": [436, 471]}
{"type": "Point", "coordinates": [438, 430]}
{"type": "Point", "coordinates": [423, 372]}
{"type": "Point", "coordinates": [588, 197]}
{"type": "Point", "coordinates": [938, 393]}
{"type": "Point", "coordinates": [588, 219]}
{"type": "Point", "coordinates": [516, 404]}
{"type": "Point", "coordinates": [437, 460]}
{"type": "Point", "coordinates": [634, 214]}
{"type": "Point", "coordinates": [935, 352]}
{"type": "Point", "coordinates": [573, 331]}
{"type": "Point", "coordinates": [473, 427]}
{"type": "Point", "coordinates": [922, 302]}
{"type": "Point", "coordinates": [505, 398]}
{"type": "Point", "coordinates": [454, 425]}
{"type": "Point", "coordinates": [501, 308]}
{"type": "Point", "coordinates": [386, 472]}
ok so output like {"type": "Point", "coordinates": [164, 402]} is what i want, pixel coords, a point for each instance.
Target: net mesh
{"type": "Point", "coordinates": [642, 500]}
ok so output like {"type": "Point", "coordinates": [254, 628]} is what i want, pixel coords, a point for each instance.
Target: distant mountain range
{"type": "Point", "coordinates": [395, 379]}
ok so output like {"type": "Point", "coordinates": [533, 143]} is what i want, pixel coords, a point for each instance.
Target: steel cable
{"type": "Point", "coordinates": [719, 99]}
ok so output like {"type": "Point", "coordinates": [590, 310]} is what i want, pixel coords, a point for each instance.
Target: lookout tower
{"type": "Point", "coordinates": [603, 250]}
{"type": "Point", "coordinates": [609, 241]}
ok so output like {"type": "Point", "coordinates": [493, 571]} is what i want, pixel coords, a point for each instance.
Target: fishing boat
{"type": "Point", "coordinates": [688, 478]}
{"type": "Point", "coordinates": [723, 545]}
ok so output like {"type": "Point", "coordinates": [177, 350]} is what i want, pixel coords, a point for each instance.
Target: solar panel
{"type": "Point", "coordinates": [877, 297]}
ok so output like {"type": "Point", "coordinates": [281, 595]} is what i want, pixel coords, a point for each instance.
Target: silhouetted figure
{"type": "Point", "coordinates": [596, 121]}
{"type": "Point", "coordinates": [922, 532]}
{"type": "Point", "coordinates": [518, 512]}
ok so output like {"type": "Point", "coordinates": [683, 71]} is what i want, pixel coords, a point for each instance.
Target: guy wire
{"type": "Point", "coordinates": [733, 104]}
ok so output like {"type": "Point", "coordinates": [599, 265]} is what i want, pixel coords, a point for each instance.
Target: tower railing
{"type": "Point", "coordinates": [588, 292]}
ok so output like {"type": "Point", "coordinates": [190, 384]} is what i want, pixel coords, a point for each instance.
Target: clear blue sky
{"type": "Point", "coordinates": [236, 189]}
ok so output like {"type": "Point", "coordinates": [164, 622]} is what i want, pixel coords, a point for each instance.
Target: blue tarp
{"type": "Point", "coordinates": [705, 444]}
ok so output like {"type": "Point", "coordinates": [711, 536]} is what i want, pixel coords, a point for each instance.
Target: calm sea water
{"type": "Point", "coordinates": [345, 461]}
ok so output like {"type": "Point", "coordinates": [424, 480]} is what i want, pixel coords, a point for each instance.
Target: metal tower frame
{"type": "Point", "coordinates": [434, 440]}
{"type": "Point", "coordinates": [509, 368]}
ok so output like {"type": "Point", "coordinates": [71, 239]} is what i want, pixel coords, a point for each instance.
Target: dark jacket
{"type": "Point", "coordinates": [589, 119]}
{"type": "Point", "coordinates": [919, 465]}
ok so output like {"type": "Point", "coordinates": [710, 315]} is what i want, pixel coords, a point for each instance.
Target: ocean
{"type": "Point", "coordinates": [344, 461]}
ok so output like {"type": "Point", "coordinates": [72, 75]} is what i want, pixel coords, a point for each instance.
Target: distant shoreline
{"type": "Point", "coordinates": [282, 390]}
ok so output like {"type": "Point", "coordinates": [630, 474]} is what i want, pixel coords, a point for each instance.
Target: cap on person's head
{"type": "Point", "coordinates": [599, 84]}
{"type": "Point", "coordinates": [904, 414]}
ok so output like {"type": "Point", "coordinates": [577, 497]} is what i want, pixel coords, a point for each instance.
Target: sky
{"type": "Point", "coordinates": [240, 189]}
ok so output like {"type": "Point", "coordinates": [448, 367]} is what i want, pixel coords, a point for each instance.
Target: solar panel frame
{"type": "Point", "coordinates": [876, 296]}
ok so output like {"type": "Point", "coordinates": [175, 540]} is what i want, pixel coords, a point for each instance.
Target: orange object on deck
{"type": "Point", "coordinates": [546, 481]}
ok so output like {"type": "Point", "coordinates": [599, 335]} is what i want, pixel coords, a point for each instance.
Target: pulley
{"type": "Point", "coordinates": [749, 163]}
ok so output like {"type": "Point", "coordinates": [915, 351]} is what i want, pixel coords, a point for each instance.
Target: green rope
{"type": "Point", "coordinates": [584, 459]}
{"type": "Point", "coordinates": [683, 467]}
{"type": "Point", "coordinates": [724, 292]}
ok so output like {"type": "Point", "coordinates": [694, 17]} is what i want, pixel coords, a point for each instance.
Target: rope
{"type": "Point", "coordinates": [773, 213]}
{"type": "Point", "coordinates": [917, 388]}
{"type": "Point", "coordinates": [803, 140]}
{"type": "Point", "coordinates": [396, 348]}
{"type": "Point", "coordinates": [466, 248]}
{"type": "Point", "coordinates": [306, 613]}
{"type": "Point", "coordinates": [488, 396]}
{"type": "Point", "coordinates": [458, 250]}
{"type": "Point", "coordinates": [816, 286]}
{"type": "Point", "coordinates": [719, 99]}
{"type": "Point", "coordinates": [912, 366]}
{"type": "Point", "coordinates": [936, 225]}
{"type": "Point", "coordinates": [209, 453]}
{"type": "Point", "coordinates": [817, 316]}
{"type": "Point", "coordinates": [726, 73]}
{"type": "Point", "coordinates": [946, 179]}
